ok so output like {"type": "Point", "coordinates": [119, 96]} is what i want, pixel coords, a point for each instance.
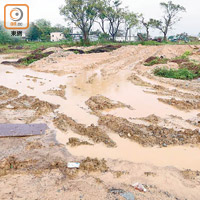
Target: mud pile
{"type": "Point", "coordinates": [181, 104]}
{"type": "Point", "coordinates": [6, 93]}
{"type": "Point", "coordinates": [99, 103]}
{"type": "Point", "coordinates": [94, 165]}
{"type": "Point", "coordinates": [103, 49]}
{"type": "Point", "coordinates": [108, 48]}
{"type": "Point", "coordinates": [34, 56]}
{"type": "Point", "coordinates": [94, 133]}
{"type": "Point", "coordinates": [189, 174]}
{"type": "Point", "coordinates": [11, 164]}
{"type": "Point", "coordinates": [91, 78]}
{"type": "Point", "coordinates": [136, 80]}
{"type": "Point", "coordinates": [30, 103]}
{"type": "Point", "coordinates": [60, 92]}
{"type": "Point", "coordinates": [155, 60]}
{"type": "Point", "coordinates": [152, 119]}
{"type": "Point", "coordinates": [74, 142]}
{"type": "Point", "coordinates": [149, 135]}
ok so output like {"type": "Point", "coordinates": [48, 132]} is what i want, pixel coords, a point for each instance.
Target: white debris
{"type": "Point", "coordinates": [73, 165]}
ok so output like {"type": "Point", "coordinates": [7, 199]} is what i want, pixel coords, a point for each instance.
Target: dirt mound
{"type": "Point", "coordinates": [152, 119]}
{"type": "Point", "coordinates": [155, 60]}
{"type": "Point", "coordinates": [99, 102]}
{"type": "Point", "coordinates": [12, 164]}
{"type": "Point", "coordinates": [136, 80]}
{"type": "Point", "coordinates": [6, 93]}
{"type": "Point", "coordinates": [74, 142]}
{"type": "Point", "coordinates": [76, 51]}
{"type": "Point", "coordinates": [181, 104]}
{"type": "Point", "coordinates": [60, 92]}
{"type": "Point", "coordinates": [189, 174]}
{"type": "Point", "coordinates": [96, 134]}
{"type": "Point", "coordinates": [34, 56]}
{"type": "Point", "coordinates": [30, 103]}
{"type": "Point", "coordinates": [149, 135]}
{"type": "Point", "coordinates": [179, 60]}
{"type": "Point", "coordinates": [103, 49]}
{"type": "Point", "coordinates": [150, 59]}
{"type": "Point", "coordinates": [54, 49]}
{"type": "Point", "coordinates": [94, 165]}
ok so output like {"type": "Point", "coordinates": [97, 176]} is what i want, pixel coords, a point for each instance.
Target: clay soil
{"type": "Point", "coordinates": [105, 109]}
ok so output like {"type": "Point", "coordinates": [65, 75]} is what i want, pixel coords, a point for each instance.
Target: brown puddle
{"type": "Point", "coordinates": [79, 88]}
{"type": "Point", "coordinates": [181, 157]}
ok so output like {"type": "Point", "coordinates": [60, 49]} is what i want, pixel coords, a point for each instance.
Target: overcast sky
{"type": "Point", "coordinates": [49, 9]}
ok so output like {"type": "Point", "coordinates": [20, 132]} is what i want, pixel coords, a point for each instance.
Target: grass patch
{"type": "Point", "coordinates": [182, 73]}
{"type": "Point", "coordinates": [30, 46]}
{"type": "Point", "coordinates": [183, 57]}
{"type": "Point", "coordinates": [155, 60]}
{"type": "Point", "coordinates": [192, 66]}
{"type": "Point", "coordinates": [36, 55]}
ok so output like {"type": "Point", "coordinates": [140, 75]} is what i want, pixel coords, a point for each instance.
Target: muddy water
{"type": "Point", "coordinates": [116, 88]}
{"type": "Point", "coordinates": [39, 83]}
{"type": "Point", "coordinates": [181, 157]}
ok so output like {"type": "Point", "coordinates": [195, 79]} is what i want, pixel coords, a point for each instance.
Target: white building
{"type": "Point", "coordinates": [57, 36]}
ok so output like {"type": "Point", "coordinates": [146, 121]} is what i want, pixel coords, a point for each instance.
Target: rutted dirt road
{"type": "Point", "coordinates": [105, 106]}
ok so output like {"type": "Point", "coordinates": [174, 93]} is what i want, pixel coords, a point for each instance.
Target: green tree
{"type": "Point", "coordinates": [102, 6]}
{"type": "Point", "coordinates": [5, 36]}
{"type": "Point", "coordinates": [82, 14]}
{"type": "Point", "coordinates": [170, 18]}
{"type": "Point", "coordinates": [130, 20]}
{"type": "Point", "coordinates": [115, 16]}
{"type": "Point", "coordinates": [147, 25]}
{"type": "Point", "coordinates": [33, 33]}
{"type": "Point", "coordinates": [45, 29]}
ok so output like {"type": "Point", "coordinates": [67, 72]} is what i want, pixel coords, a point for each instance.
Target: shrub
{"type": "Point", "coordinates": [192, 66]}
{"type": "Point", "coordinates": [181, 73]}
{"type": "Point", "coordinates": [155, 60]}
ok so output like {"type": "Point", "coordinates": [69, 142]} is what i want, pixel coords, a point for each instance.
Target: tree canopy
{"type": "Point", "coordinates": [170, 17]}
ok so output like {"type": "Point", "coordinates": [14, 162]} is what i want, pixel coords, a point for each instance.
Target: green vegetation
{"type": "Point", "coordinates": [34, 56]}
{"type": "Point", "coordinates": [192, 66]}
{"type": "Point", "coordinates": [155, 60]}
{"type": "Point", "coordinates": [5, 38]}
{"type": "Point", "coordinates": [185, 56]}
{"type": "Point", "coordinates": [183, 73]}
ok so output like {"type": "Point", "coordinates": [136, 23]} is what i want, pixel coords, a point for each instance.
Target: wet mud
{"type": "Point", "coordinates": [74, 142]}
{"type": "Point", "coordinates": [100, 103]}
{"type": "Point", "coordinates": [149, 135]}
{"type": "Point", "coordinates": [109, 119]}
{"type": "Point", "coordinates": [95, 133]}
{"type": "Point", "coordinates": [182, 104]}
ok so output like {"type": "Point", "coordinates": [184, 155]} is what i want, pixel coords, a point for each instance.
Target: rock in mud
{"type": "Point", "coordinates": [94, 133]}
{"type": "Point", "coordinates": [74, 142]}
